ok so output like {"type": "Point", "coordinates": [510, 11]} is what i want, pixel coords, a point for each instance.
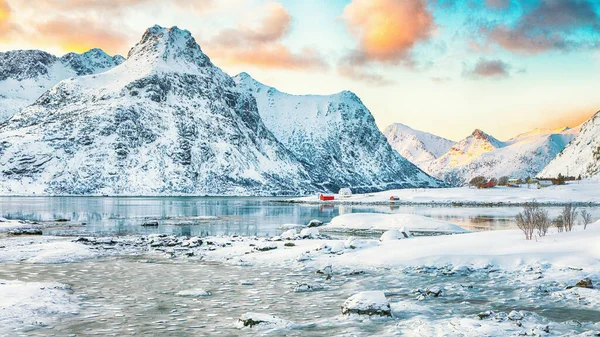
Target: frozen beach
{"type": "Point", "coordinates": [491, 283]}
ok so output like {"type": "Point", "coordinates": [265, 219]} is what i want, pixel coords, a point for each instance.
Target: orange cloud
{"type": "Point", "coordinates": [387, 29]}
{"type": "Point", "coordinates": [274, 56]}
{"type": "Point", "coordinates": [80, 36]}
{"type": "Point", "coordinates": [5, 13]}
{"type": "Point", "coordinates": [260, 45]}
{"type": "Point", "coordinates": [357, 73]}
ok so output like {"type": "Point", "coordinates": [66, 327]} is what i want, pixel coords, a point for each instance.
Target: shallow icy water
{"type": "Point", "coordinates": [203, 216]}
{"type": "Point", "coordinates": [136, 296]}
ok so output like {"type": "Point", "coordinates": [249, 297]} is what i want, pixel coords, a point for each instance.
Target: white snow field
{"type": "Point", "coordinates": [584, 191]}
{"type": "Point", "coordinates": [382, 222]}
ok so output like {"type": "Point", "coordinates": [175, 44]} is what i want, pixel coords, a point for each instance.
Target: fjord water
{"type": "Point", "coordinates": [205, 216]}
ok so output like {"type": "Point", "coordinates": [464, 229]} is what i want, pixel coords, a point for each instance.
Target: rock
{"type": "Point", "coordinates": [367, 303]}
{"type": "Point", "coordinates": [422, 294]}
{"type": "Point", "coordinates": [337, 247]}
{"type": "Point", "coordinates": [193, 293]}
{"type": "Point", "coordinates": [288, 235]}
{"type": "Point", "coordinates": [315, 223]}
{"type": "Point", "coordinates": [392, 235]}
{"type": "Point", "coordinates": [192, 242]}
{"type": "Point", "coordinates": [25, 231]}
{"type": "Point", "coordinates": [485, 314]}
{"type": "Point", "coordinates": [585, 283]}
{"type": "Point", "coordinates": [61, 220]}
{"type": "Point", "coordinates": [150, 224]}
{"type": "Point", "coordinates": [328, 270]}
{"type": "Point", "coordinates": [265, 246]}
{"type": "Point", "coordinates": [289, 244]}
{"type": "Point", "coordinates": [251, 319]}
{"type": "Point", "coordinates": [309, 233]}
{"type": "Point", "coordinates": [305, 287]}
{"type": "Point", "coordinates": [515, 316]}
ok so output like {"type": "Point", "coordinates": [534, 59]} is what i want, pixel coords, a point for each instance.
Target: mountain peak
{"type": "Point", "coordinates": [172, 46]}
{"type": "Point", "coordinates": [479, 134]}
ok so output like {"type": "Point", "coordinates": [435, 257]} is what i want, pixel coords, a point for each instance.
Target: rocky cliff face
{"type": "Point", "coordinates": [166, 121]}
{"type": "Point", "coordinates": [336, 137]}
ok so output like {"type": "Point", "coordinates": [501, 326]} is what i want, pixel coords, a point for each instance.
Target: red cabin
{"type": "Point", "coordinates": [326, 197]}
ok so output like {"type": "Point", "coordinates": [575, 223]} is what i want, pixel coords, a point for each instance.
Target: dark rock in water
{"type": "Point", "coordinates": [251, 319]}
{"type": "Point", "coordinates": [485, 314]}
{"type": "Point", "coordinates": [315, 223]}
{"type": "Point", "coordinates": [61, 220]}
{"type": "Point", "coordinates": [25, 231]}
{"type": "Point", "coordinates": [585, 283]}
{"type": "Point", "coordinates": [150, 224]}
{"type": "Point", "coordinates": [429, 292]}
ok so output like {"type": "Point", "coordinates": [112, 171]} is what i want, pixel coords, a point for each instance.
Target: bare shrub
{"type": "Point", "coordinates": [503, 181]}
{"type": "Point", "coordinates": [559, 223]}
{"type": "Point", "coordinates": [478, 181]}
{"type": "Point", "coordinates": [533, 218]}
{"type": "Point", "coordinates": [586, 218]}
{"type": "Point", "coordinates": [569, 214]}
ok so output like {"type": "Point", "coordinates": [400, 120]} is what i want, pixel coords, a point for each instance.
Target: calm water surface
{"type": "Point", "coordinates": [215, 216]}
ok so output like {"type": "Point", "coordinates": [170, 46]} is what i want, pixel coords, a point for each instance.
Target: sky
{"type": "Point", "coordinates": [442, 66]}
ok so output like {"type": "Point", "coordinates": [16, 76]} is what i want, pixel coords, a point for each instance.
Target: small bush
{"type": "Point", "coordinates": [532, 219]}
{"type": "Point", "coordinates": [477, 181]}
{"type": "Point", "coordinates": [559, 223]}
{"type": "Point", "coordinates": [569, 214]}
{"type": "Point", "coordinates": [586, 218]}
{"type": "Point", "coordinates": [503, 181]}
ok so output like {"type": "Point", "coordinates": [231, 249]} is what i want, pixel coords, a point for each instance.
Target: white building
{"type": "Point", "coordinates": [346, 191]}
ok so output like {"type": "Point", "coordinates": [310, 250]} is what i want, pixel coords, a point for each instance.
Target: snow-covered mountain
{"type": "Point", "coordinates": [165, 121]}
{"type": "Point", "coordinates": [581, 156]}
{"type": "Point", "coordinates": [420, 148]}
{"type": "Point", "coordinates": [483, 155]}
{"type": "Point", "coordinates": [26, 74]}
{"type": "Point", "coordinates": [336, 137]}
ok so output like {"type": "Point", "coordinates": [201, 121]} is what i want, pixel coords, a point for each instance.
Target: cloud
{"type": "Point", "coordinates": [273, 56]}
{"type": "Point", "coordinates": [80, 35]}
{"type": "Point", "coordinates": [359, 74]}
{"type": "Point", "coordinates": [550, 25]}
{"type": "Point", "coordinates": [5, 14]}
{"type": "Point", "coordinates": [440, 80]}
{"type": "Point", "coordinates": [261, 46]}
{"type": "Point", "coordinates": [497, 4]}
{"type": "Point", "coordinates": [387, 29]}
{"type": "Point", "coordinates": [485, 68]}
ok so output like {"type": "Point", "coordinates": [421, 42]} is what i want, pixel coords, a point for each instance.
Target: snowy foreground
{"type": "Point", "coordinates": [444, 274]}
{"type": "Point", "coordinates": [585, 192]}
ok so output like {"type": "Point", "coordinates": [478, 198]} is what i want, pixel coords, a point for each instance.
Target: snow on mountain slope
{"type": "Point", "coordinates": [26, 74]}
{"type": "Point", "coordinates": [420, 148]}
{"type": "Point", "coordinates": [581, 156]}
{"type": "Point", "coordinates": [482, 155]}
{"type": "Point", "coordinates": [336, 137]}
{"type": "Point", "coordinates": [165, 121]}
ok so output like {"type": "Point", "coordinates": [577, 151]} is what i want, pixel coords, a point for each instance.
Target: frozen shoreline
{"type": "Point", "coordinates": [584, 193]}
{"type": "Point", "coordinates": [551, 264]}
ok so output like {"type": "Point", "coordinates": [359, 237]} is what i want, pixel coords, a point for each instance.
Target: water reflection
{"type": "Point", "coordinates": [223, 216]}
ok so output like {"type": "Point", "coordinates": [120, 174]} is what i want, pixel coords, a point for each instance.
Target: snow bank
{"type": "Point", "coordinates": [24, 304]}
{"type": "Point", "coordinates": [383, 222]}
{"type": "Point", "coordinates": [43, 250]}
